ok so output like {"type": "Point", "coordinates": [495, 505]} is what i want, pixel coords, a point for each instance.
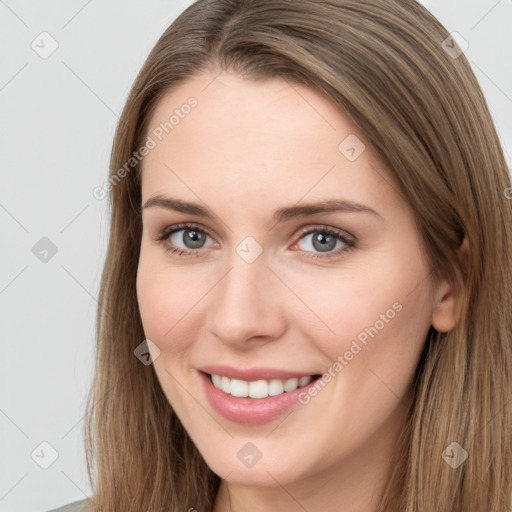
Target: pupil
{"type": "Point", "coordinates": [324, 242]}
{"type": "Point", "coordinates": [194, 238]}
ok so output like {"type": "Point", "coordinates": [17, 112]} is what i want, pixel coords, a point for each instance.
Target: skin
{"type": "Point", "coordinates": [245, 150]}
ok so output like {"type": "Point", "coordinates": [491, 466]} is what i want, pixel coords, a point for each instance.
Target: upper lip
{"type": "Point", "coordinates": [253, 374]}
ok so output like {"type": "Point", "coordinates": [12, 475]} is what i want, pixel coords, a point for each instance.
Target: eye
{"type": "Point", "coordinates": [324, 240]}
{"type": "Point", "coordinates": [186, 239]}
{"type": "Point", "coordinates": [191, 236]}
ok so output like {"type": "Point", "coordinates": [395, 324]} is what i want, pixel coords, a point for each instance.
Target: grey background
{"type": "Point", "coordinates": [58, 116]}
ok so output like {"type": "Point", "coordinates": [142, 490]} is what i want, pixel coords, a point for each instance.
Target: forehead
{"type": "Point", "coordinates": [255, 139]}
{"type": "Point", "coordinates": [275, 114]}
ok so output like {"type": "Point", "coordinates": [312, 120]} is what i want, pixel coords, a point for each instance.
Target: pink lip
{"type": "Point", "coordinates": [250, 411]}
{"type": "Point", "coordinates": [252, 374]}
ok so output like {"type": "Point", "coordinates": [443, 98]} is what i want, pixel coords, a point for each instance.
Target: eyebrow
{"type": "Point", "coordinates": [280, 215]}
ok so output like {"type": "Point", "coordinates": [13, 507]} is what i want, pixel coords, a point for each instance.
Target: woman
{"type": "Point", "coordinates": [306, 301]}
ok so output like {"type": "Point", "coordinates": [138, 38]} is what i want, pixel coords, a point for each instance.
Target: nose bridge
{"type": "Point", "coordinates": [245, 302]}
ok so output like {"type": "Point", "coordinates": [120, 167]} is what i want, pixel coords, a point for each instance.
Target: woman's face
{"type": "Point", "coordinates": [280, 276]}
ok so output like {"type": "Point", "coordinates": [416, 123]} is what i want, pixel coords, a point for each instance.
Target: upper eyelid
{"type": "Point", "coordinates": [171, 229]}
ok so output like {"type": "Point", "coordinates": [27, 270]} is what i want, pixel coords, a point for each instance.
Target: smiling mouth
{"type": "Point", "coordinates": [259, 388]}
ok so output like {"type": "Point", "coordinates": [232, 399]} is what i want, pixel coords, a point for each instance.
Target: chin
{"type": "Point", "coordinates": [240, 462]}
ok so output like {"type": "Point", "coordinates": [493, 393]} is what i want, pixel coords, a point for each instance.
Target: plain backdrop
{"type": "Point", "coordinates": [66, 69]}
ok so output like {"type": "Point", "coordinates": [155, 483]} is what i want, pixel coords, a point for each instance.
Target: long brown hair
{"type": "Point", "coordinates": [392, 68]}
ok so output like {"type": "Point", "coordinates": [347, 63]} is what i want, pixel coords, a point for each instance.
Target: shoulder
{"type": "Point", "coordinates": [75, 506]}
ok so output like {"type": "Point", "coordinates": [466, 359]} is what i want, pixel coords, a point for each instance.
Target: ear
{"type": "Point", "coordinates": [448, 297]}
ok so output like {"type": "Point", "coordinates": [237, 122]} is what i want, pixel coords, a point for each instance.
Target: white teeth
{"type": "Point", "coordinates": [239, 387]}
{"type": "Point", "coordinates": [226, 385]}
{"type": "Point", "coordinates": [291, 384]}
{"type": "Point", "coordinates": [217, 381]}
{"type": "Point", "coordinates": [304, 380]}
{"type": "Point", "coordinates": [275, 387]}
{"type": "Point", "coordinates": [258, 388]}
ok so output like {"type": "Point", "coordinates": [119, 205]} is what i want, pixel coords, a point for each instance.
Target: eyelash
{"type": "Point", "coordinates": [170, 230]}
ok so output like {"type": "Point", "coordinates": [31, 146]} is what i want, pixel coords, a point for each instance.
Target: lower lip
{"type": "Point", "coordinates": [250, 411]}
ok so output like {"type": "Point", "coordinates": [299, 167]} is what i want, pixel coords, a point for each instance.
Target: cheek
{"type": "Point", "coordinates": [166, 305]}
{"type": "Point", "coordinates": [373, 313]}
{"type": "Point", "coordinates": [165, 299]}
{"type": "Point", "coordinates": [172, 299]}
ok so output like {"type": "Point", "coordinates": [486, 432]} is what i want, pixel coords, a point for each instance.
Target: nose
{"type": "Point", "coordinates": [247, 304]}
